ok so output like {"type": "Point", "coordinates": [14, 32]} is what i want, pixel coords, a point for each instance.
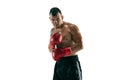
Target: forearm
{"type": "Point", "coordinates": [76, 47]}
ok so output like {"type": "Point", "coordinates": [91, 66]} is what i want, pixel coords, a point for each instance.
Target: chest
{"type": "Point", "coordinates": [66, 35]}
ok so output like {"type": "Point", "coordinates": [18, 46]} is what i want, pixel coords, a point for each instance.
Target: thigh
{"type": "Point", "coordinates": [74, 72]}
{"type": "Point", "coordinates": [56, 75]}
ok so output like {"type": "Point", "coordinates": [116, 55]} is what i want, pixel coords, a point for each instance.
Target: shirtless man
{"type": "Point", "coordinates": [65, 41]}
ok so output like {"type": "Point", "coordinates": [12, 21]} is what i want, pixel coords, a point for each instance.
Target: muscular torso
{"type": "Point", "coordinates": [66, 36]}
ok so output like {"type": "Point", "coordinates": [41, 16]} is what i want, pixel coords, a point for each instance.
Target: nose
{"type": "Point", "coordinates": [55, 21]}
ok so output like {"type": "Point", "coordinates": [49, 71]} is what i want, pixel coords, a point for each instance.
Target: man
{"type": "Point", "coordinates": [65, 41]}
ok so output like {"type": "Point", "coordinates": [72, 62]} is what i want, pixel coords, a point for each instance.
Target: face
{"type": "Point", "coordinates": [56, 20]}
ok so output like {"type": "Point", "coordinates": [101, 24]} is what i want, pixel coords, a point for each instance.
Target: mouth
{"type": "Point", "coordinates": [56, 25]}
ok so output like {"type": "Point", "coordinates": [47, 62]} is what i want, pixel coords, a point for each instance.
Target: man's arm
{"type": "Point", "coordinates": [55, 39]}
{"type": "Point", "coordinates": [77, 39]}
{"type": "Point", "coordinates": [51, 32]}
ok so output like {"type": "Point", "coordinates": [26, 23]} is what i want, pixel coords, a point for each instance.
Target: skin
{"type": "Point", "coordinates": [70, 33]}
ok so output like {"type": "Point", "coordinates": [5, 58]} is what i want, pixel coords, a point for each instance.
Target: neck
{"type": "Point", "coordinates": [60, 26]}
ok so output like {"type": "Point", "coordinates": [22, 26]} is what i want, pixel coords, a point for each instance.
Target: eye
{"type": "Point", "coordinates": [58, 19]}
{"type": "Point", "coordinates": [52, 19]}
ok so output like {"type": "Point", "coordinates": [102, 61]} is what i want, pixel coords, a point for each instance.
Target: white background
{"type": "Point", "coordinates": [25, 30]}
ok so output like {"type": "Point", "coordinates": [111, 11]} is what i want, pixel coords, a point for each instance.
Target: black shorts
{"type": "Point", "coordinates": [68, 68]}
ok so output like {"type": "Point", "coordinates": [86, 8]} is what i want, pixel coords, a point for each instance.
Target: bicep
{"type": "Point", "coordinates": [76, 35]}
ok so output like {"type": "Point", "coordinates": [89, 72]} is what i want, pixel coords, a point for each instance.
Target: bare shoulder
{"type": "Point", "coordinates": [52, 31]}
{"type": "Point", "coordinates": [75, 32]}
{"type": "Point", "coordinates": [72, 27]}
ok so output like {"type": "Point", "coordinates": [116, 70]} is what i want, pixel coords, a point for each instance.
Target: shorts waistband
{"type": "Point", "coordinates": [69, 58]}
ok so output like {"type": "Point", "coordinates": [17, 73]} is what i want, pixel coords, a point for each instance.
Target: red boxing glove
{"type": "Point", "coordinates": [56, 38]}
{"type": "Point", "coordinates": [59, 53]}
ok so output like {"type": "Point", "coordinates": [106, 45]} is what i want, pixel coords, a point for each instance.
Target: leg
{"type": "Point", "coordinates": [74, 72]}
{"type": "Point", "coordinates": [55, 75]}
